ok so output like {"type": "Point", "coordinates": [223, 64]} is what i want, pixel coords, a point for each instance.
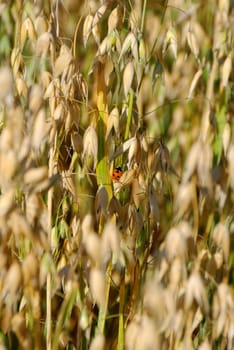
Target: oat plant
{"type": "Point", "coordinates": [145, 259]}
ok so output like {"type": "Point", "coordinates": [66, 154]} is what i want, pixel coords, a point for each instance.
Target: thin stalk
{"type": "Point", "coordinates": [121, 313]}
{"type": "Point", "coordinates": [195, 213]}
{"type": "Point", "coordinates": [143, 16]}
{"type": "Point", "coordinates": [18, 22]}
{"type": "Point", "coordinates": [48, 312]}
{"type": "Point", "coordinates": [121, 195]}
{"type": "Point", "coordinates": [49, 277]}
{"type": "Point", "coordinates": [102, 170]}
{"type": "Point", "coordinates": [129, 116]}
{"type": "Point", "coordinates": [205, 122]}
{"type": "Point", "coordinates": [103, 310]}
{"type": "Point", "coordinates": [156, 39]}
{"type": "Point", "coordinates": [117, 85]}
{"type": "Point", "coordinates": [135, 290]}
{"type": "Point", "coordinates": [76, 36]}
{"type": "Point", "coordinates": [64, 315]}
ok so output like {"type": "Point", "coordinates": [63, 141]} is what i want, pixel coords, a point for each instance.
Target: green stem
{"type": "Point", "coordinates": [129, 116]}
{"type": "Point", "coordinates": [103, 310]}
{"type": "Point", "coordinates": [122, 195]}
{"type": "Point", "coordinates": [143, 16]}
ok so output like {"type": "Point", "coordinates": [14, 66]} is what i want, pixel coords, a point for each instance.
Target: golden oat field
{"type": "Point", "coordinates": [144, 260]}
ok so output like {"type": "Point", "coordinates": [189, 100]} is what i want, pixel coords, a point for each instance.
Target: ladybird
{"type": "Point", "coordinates": [117, 173]}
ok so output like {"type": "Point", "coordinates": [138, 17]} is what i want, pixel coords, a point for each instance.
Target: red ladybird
{"type": "Point", "coordinates": [117, 173]}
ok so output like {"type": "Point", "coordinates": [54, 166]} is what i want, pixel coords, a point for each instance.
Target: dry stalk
{"type": "Point", "coordinates": [50, 225]}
